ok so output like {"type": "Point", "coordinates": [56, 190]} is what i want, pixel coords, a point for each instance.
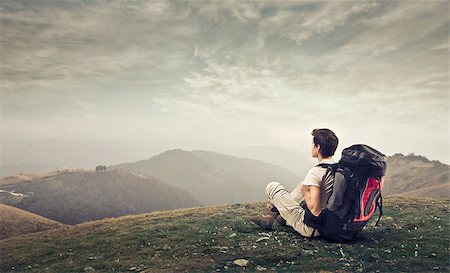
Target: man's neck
{"type": "Point", "coordinates": [320, 158]}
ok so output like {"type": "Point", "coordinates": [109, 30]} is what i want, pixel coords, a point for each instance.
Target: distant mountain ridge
{"type": "Point", "coordinates": [181, 179]}
{"type": "Point", "coordinates": [299, 162]}
{"type": "Point", "coordinates": [213, 178]}
{"type": "Point", "coordinates": [75, 197]}
{"type": "Point", "coordinates": [408, 175]}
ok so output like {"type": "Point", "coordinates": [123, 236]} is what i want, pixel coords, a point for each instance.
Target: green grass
{"type": "Point", "coordinates": [198, 240]}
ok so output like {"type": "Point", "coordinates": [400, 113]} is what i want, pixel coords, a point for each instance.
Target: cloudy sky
{"type": "Point", "coordinates": [168, 74]}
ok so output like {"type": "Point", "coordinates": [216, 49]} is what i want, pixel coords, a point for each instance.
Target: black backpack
{"type": "Point", "coordinates": [356, 193]}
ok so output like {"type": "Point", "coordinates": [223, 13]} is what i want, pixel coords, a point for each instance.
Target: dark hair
{"type": "Point", "coordinates": [327, 140]}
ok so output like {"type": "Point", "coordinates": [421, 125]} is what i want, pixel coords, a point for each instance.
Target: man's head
{"type": "Point", "coordinates": [325, 142]}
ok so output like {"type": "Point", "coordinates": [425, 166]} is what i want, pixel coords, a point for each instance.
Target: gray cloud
{"type": "Point", "coordinates": [73, 41]}
{"type": "Point", "coordinates": [227, 71]}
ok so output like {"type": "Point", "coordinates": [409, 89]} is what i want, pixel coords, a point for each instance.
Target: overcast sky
{"type": "Point", "coordinates": [178, 73]}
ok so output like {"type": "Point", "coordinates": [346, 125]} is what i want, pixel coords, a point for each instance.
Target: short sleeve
{"type": "Point", "coordinates": [313, 178]}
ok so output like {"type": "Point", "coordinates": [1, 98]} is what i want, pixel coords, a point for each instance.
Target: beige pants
{"type": "Point", "coordinates": [288, 204]}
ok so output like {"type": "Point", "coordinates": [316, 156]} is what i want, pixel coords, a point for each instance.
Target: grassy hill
{"type": "Point", "coordinates": [213, 178]}
{"type": "Point", "coordinates": [413, 172]}
{"type": "Point", "coordinates": [438, 191]}
{"type": "Point", "coordinates": [79, 196]}
{"type": "Point", "coordinates": [16, 222]}
{"type": "Point", "coordinates": [413, 236]}
{"type": "Point", "coordinates": [18, 178]}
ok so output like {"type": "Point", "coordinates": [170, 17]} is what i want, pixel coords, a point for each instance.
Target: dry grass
{"type": "Point", "coordinates": [16, 222]}
{"type": "Point", "coordinates": [438, 191]}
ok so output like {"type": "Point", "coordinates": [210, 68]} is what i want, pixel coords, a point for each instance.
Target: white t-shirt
{"type": "Point", "coordinates": [313, 178]}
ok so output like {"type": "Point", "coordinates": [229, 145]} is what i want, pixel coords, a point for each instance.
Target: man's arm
{"type": "Point", "coordinates": [312, 198]}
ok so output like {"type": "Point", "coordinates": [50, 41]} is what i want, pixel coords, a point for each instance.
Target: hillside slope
{"type": "Point", "coordinates": [213, 178]}
{"type": "Point", "coordinates": [18, 178]}
{"type": "Point", "coordinates": [412, 172]}
{"type": "Point", "coordinates": [16, 222]}
{"type": "Point", "coordinates": [438, 191]}
{"type": "Point", "coordinates": [413, 236]}
{"type": "Point", "coordinates": [75, 197]}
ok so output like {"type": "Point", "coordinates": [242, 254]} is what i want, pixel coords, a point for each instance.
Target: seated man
{"type": "Point", "coordinates": [310, 190]}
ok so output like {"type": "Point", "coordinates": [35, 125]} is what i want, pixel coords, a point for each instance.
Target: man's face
{"type": "Point", "coordinates": [314, 149]}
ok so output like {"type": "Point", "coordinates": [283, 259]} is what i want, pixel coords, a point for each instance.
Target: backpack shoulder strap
{"type": "Point", "coordinates": [326, 165]}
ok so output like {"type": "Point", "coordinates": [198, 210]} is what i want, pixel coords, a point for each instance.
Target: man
{"type": "Point", "coordinates": [285, 207]}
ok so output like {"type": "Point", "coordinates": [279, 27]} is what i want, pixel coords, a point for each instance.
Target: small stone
{"type": "Point", "coordinates": [232, 235]}
{"type": "Point", "coordinates": [133, 268]}
{"type": "Point", "coordinates": [261, 268]}
{"type": "Point", "coordinates": [397, 226]}
{"type": "Point", "coordinates": [347, 265]}
{"type": "Point", "coordinates": [388, 218]}
{"type": "Point", "coordinates": [433, 255]}
{"type": "Point", "coordinates": [241, 262]}
{"type": "Point", "coordinates": [91, 258]}
{"type": "Point", "coordinates": [306, 252]}
{"type": "Point", "coordinates": [359, 270]}
{"type": "Point", "coordinates": [166, 247]}
{"type": "Point", "coordinates": [388, 251]}
{"type": "Point", "coordinates": [436, 268]}
{"type": "Point", "coordinates": [262, 239]}
{"type": "Point", "coordinates": [89, 269]}
{"type": "Point", "coordinates": [374, 257]}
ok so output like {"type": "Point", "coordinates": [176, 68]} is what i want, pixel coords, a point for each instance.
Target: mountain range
{"type": "Point", "coordinates": [213, 178]}
{"type": "Point", "coordinates": [182, 179]}
{"type": "Point", "coordinates": [72, 197]}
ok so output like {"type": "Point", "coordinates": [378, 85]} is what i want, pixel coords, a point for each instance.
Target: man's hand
{"type": "Point", "coordinates": [305, 191]}
{"type": "Point", "coordinates": [312, 198]}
